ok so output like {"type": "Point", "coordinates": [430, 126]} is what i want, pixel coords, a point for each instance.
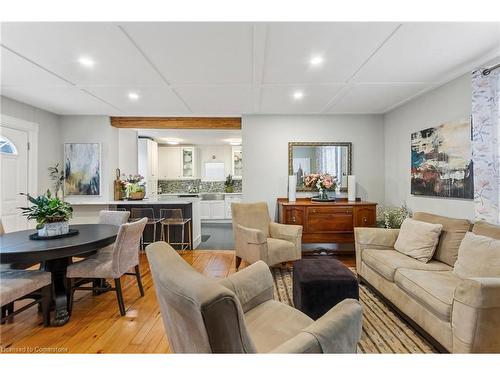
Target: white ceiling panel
{"type": "Point", "coordinates": [373, 98]}
{"type": "Point", "coordinates": [279, 99]}
{"type": "Point", "coordinates": [61, 100]}
{"type": "Point", "coordinates": [209, 53]}
{"type": "Point", "coordinates": [425, 52]}
{"type": "Point", "coordinates": [58, 46]}
{"type": "Point", "coordinates": [344, 47]}
{"type": "Point", "coordinates": [217, 99]}
{"type": "Point", "coordinates": [152, 100]}
{"type": "Point", "coordinates": [18, 71]}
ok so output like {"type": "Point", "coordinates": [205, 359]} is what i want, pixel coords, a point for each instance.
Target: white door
{"type": "Point", "coordinates": [14, 174]}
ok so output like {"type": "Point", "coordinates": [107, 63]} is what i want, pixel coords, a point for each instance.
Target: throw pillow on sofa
{"type": "Point", "coordinates": [418, 239]}
{"type": "Point", "coordinates": [478, 256]}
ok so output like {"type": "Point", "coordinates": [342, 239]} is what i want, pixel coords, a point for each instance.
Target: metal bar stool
{"type": "Point", "coordinates": [139, 213]}
{"type": "Point", "coordinates": [174, 217]}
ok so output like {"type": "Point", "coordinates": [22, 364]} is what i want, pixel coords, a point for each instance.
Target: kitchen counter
{"type": "Point", "coordinates": [126, 202]}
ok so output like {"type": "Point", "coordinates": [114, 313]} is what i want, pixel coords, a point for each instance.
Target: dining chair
{"type": "Point", "coordinates": [17, 285]}
{"type": "Point", "coordinates": [149, 213]}
{"type": "Point", "coordinates": [113, 217]}
{"type": "Point", "coordinates": [173, 217]}
{"type": "Point", "coordinates": [110, 265]}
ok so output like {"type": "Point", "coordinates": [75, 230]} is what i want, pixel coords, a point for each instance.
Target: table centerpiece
{"type": "Point", "coordinates": [324, 182]}
{"type": "Point", "coordinates": [51, 214]}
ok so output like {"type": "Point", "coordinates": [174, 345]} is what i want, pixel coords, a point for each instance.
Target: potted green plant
{"type": "Point", "coordinates": [229, 184]}
{"type": "Point", "coordinates": [392, 217]}
{"type": "Point", "coordinates": [51, 214]}
{"type": "Point", "coordinates": [134, 186]}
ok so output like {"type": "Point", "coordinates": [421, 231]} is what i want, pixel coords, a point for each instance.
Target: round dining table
{"type": "Point", "coordinates": [55, 255]}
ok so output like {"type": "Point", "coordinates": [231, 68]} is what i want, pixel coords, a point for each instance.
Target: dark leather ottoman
{"type": "Point", "coordinates": [319, 284]}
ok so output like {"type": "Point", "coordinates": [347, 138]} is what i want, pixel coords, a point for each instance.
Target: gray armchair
{"type": "Point", "coordinates": [257, 238]}
{"type": "Point", "coordinates": [238, 314]}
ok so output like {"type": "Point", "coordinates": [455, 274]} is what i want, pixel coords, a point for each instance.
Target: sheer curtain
{"type": "Point", "coordinates": [326, 159]}
{"type": "Point", "coordinates": [485, 144]}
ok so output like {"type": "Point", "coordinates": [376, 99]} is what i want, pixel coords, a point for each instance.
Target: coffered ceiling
{"type": "Point", "coordinates": [176, 69]}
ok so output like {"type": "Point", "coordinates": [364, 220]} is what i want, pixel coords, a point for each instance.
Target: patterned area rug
{"type": "Point", "coordinates": [383, 330]}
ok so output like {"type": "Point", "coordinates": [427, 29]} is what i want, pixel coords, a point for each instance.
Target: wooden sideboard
{"type": "Point", "coordinates": [329, 222]}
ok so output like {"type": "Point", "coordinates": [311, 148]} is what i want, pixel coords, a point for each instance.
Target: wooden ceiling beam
{"type": "Point", "coordinates": [229, 123]}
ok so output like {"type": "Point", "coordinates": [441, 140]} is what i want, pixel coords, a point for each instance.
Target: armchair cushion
{"type": "Point", "coordinates": [252, 215]}
{"type": "Point", "coordinates": [252, 285]}
{"type": "Point", "coordinates": [387, 262]}
{"type": "Point", "coordinates": [272, 323]}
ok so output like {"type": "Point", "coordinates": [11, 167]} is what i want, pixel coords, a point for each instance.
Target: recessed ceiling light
{"type": "Point", "coordinates": [316, 60]}
{"type": "Point", "coordinates": [235, 143]}
{"type": "Point", "coordinates": [297, 95]}
{"type": "Point", "coordinates": [172, 143]}
{"type": "Point", "coordinates": [133, 96]}
{"type": "Point", "coordinates": [86, 61]}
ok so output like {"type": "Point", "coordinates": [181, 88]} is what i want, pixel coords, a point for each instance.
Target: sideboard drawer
{"type": "Point", "coordinates": [365, 216]}
{"type": "Point", "coordinates": [294, 215]}
{"type": "Point", "coordinates": [329, 219]}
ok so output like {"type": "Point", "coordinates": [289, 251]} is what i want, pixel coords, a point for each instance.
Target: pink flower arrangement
{"type": "Point", "coordinates": [320, 181]}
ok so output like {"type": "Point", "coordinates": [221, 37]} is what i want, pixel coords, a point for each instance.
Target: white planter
{"type": "Point", "coordinates": [54, 229]}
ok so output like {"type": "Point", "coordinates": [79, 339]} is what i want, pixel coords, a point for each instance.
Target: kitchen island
{"type": "Point", "coordinates": [87, 212]}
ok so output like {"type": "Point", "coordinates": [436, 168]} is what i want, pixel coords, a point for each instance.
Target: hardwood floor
{"type": "Point", "coordinates": [96, 325]}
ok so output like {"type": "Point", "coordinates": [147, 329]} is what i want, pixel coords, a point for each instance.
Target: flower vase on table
{"type": "Point", "coordinates": [324, 183]}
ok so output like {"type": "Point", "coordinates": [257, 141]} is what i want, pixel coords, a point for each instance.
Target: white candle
{"type": "Point", "coordinates": [351, 188]}
{"type": "Point", "coordinates": [292, 188]}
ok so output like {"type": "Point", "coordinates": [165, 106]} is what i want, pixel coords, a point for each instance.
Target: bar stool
{"type": "Point", "coordinates": [139, 213]}
{"type": "Point", "coordinates": [173, 217]}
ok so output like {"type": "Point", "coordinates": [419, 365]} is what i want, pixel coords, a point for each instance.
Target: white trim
{"type": "Point", "coordinates": [32, 129]}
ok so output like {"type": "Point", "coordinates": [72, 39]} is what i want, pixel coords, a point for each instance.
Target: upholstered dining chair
{"type": "Point", "coordinates": [17, 285]}
{"type": "Point", "coordinates": [239, 315]}
{"type": "Point", "coordinates": [113, 217]}
{"type": "Point", "coordinates": [110, 264]}
{"type": "Point", "coordinates": [257, 238]}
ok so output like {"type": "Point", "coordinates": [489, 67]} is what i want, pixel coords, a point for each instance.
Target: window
{"type": "Point", "coordinates": [7, 147]}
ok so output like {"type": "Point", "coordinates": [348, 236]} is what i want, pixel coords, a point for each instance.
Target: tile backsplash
{"type": "Point", "coordinates": [191, 186]}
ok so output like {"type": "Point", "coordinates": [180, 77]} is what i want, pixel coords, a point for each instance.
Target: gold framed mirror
{"type": "Point", "coordinates": [334, 158]}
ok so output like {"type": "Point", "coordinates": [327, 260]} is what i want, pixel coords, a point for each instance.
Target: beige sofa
{"type": "Point", "coordinates": [457, 315]}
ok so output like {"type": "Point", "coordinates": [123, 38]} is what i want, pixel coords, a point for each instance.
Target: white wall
{"type": "Point", "coordinates": [90, 129]}
{"type": "Point", "coordinates": [49, 151]}
{"type": "Point", "coordinates": [265, 151]}
{"type": "Point", "coordinates": [446, 103]}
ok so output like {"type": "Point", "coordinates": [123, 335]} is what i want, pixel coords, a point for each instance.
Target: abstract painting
{"type": "Point", "coordinates": [82, 168]}
{"type": "Point", "coordinates": [441, 161]}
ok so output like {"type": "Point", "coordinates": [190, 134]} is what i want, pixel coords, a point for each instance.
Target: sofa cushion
{"type": "Point", "coordinates": [272, 323]}
{"type": "Point", "coordinates": [452, 234]}
{"type": "Point", "coordinates": [418, 239]}
{"type": "Point", "coordinates": [433, 289]}
{"type": "Point", "coordinates": [483, 228]}
{"type": "Point", "coordinates": [386, 262]}
{"type": "Point", "coordinates": [478, 256]}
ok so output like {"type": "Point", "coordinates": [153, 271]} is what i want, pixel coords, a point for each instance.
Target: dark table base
{"type": "Point", "coordinates": [60, 289]}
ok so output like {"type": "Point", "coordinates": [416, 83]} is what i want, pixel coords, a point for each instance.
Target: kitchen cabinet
{"type": "Point", "coordinates": [177, 163]}
{"type": "Point", "coordinates": [230, 199]}
{"type": "Point", "coordinates": [236, 161]}
{"type": "Point", "coordinates": [147, 164]}
{"type": "Point", "coordinates": [212, 210]}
